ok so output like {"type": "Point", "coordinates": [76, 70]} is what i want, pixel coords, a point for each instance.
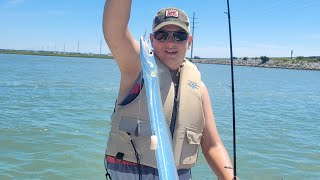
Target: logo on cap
{"type": "Point", "coordinates": [172, 13]}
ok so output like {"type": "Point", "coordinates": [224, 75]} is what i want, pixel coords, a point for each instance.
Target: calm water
{"type": "Point", "coordinates": [55, 117]}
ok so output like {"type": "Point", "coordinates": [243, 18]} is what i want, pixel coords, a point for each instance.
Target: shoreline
{"type": "Point", "coordinates": [281, 63]}
{"type": "Point", "coordinates": [272, 63]}
{"type": "Point", "coordinates": [51, 53]}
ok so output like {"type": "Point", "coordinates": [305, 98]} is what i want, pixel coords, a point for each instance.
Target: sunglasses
{"type": "Point", "coordinates": [163, 35]}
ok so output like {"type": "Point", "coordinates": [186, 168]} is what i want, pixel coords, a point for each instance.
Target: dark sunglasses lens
{"type": "Point", "coordinates": [180, 36]}
{"type": "Point", "coordinates": [177, 36]}
{"type": "Point", "coordinates": [161, 35]}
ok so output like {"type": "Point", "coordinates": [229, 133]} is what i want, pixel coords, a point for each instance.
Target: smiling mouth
{"type": "Point", "coordinates": [171, 52]}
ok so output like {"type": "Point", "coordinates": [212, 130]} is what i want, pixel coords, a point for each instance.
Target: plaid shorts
{"type": "Point", "coordinates": [119, 170]}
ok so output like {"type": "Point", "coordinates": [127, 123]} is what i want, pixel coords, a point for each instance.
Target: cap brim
{"type": "Point", "coordinates": [161, 25]}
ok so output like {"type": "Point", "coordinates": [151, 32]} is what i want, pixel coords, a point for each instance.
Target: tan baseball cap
{"type": "Point", "coordinates": [168, 16]}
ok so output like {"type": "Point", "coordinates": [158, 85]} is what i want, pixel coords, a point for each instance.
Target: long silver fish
{"type": "Point", "coordinates": [161, 138]}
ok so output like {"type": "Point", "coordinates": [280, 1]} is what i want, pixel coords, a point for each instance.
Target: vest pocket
{"type": "Point", "coordinates": [135, 127]}
{"type": "Point", "coordinates": [192, 141]}
{"type": "Point", "coordinates": [140, 132]}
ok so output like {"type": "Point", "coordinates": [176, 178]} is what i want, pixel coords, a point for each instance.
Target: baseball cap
{"type": "Point", "coordinates": [171, 15]}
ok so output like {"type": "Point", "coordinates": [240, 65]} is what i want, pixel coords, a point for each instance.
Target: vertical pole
{"type": "Point", "coordinates": [233, 103]}
{"type": "Point", "coordinates": [192, 35]}
{"type": "Point", "coordinates": [100, 45]}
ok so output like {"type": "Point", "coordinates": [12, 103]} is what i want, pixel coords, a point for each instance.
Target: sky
{"type": "Point", "coordinates": [270, 28]}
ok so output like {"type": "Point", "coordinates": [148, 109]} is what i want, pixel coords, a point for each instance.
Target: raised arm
{"type": "Point", "coordinates": [211, 144]}
{"type": "Point", "coordinates": [120, 42]}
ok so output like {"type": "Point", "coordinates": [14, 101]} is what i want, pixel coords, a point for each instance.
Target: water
{"type": "Point", "coordinates": [55, 118]}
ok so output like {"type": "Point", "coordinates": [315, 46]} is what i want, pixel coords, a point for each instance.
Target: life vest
{"type": "Point", "coordinates": [133, 118]}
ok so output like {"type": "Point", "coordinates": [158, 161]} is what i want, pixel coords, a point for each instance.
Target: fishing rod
{"type": "Point", "coordinates": [233, 104]}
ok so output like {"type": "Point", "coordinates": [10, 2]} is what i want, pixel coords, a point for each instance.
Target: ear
{"type": "Point", "coordinates": [190, 40]}
{"type": "Point", "coordinates": [151, 39]}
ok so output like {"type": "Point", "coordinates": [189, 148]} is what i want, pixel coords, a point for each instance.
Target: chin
{"type": "Point", "coordinates": [174, 66]}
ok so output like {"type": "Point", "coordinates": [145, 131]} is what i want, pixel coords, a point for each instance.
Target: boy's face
{"type": "Point", "coordinates": [171, 51]}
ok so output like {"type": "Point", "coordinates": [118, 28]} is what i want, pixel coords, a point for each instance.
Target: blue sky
{"type": "Point", "coordinates": [260, 27]}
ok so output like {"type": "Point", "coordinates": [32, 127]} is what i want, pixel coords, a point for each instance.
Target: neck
{"type": "Point", "coordinates": [175, 74]}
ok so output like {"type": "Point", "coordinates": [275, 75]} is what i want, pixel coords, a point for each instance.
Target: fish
{"type": "Point", "coordinates": [161, 141]}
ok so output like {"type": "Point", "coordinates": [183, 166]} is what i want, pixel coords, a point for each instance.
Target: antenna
{"type": "Point", "coordinates": [193, 22]}
{"type": "Point", "coordinates": [100, 45]}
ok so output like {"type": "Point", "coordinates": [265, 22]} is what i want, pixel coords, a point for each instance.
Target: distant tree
{"type": "Point", "coordinates": [196, 57]}
{"type": "Point", "coordinates": [234, 58]}
{"type": "Point", "coordinates": [245, 58]}
{"type": "Point", "coordinates": [264, 59]}
{"type": "Point", "coordinates": [255, 58]}
{"type": "Point", "coordinates": [300, 57]}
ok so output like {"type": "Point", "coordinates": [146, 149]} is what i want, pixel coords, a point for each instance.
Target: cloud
{"type": "Point", "coordinates": [11, 3]}
{"type": "Point", "coordinates": [14, 2]}
{"type": "Point", "coordinates": [49, 13]}
{"type": "Point", "coordinates": [314, 37]}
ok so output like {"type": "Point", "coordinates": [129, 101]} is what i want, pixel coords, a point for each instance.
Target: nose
{"type": "Point", "coordinates": [170, 40]}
